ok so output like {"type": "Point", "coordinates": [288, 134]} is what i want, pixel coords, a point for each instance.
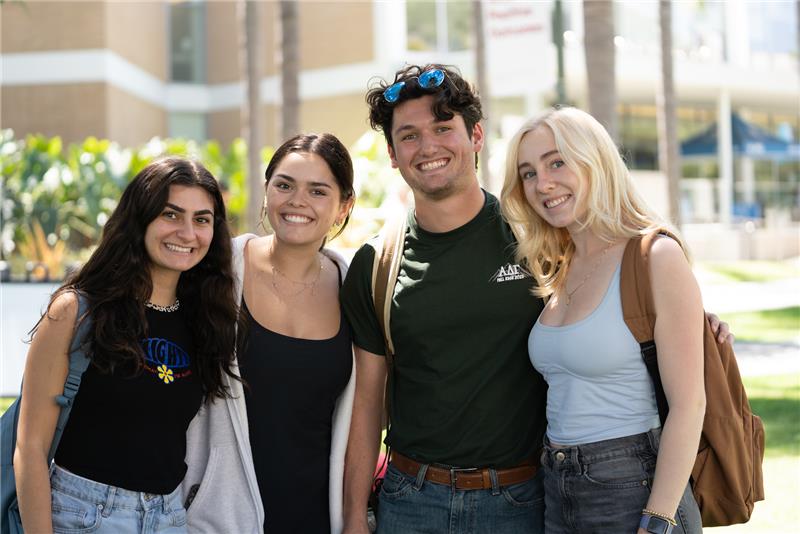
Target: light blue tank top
{"type": "Point", "coordinates": [598, 384]}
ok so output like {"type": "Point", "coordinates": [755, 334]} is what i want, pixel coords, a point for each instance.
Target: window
{"type": "Point", "coordinates": [187, 41]}
{"type": "Point", "coordinates": [439, 25]}
{"type": "Point", "coordinates": [188, 126]}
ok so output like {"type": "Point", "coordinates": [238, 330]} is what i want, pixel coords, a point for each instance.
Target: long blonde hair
{"type": "Point", "coordinates": [614, 207]}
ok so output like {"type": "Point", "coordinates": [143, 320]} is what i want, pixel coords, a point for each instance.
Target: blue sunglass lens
{"type": "Point", "coordinates": [392, 93]}
{"type": "Point", "coordinates": [431, 78]}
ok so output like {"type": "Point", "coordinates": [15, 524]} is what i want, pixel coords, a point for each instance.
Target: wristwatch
{"type": "Point", "coordinates": [655, 525]}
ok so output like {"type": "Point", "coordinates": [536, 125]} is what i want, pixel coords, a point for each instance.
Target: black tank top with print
{"type": "Point", "coordinates": [129, 430]}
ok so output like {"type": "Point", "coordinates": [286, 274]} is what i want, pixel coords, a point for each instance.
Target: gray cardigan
{"type": "Point", "coordinates": [218, 450]}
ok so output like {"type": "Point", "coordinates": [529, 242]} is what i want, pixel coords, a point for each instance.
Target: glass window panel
{"type": "Point", "coordinates": [188, 126]}
{"type": "Point", "coordinates": [187, 42]}
{"type": "Point", "coordinates": [421, 24]}
{"type": "Point", "coordinates": [459, 25]}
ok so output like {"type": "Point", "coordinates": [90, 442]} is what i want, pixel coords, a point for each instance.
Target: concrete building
{"type": "Point", "coordinates": [129, 71]}
{"type": "Point", "coordinates": [132, 70]}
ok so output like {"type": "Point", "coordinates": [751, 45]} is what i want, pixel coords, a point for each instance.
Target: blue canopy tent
{"type": "Point", "coordinates": [748, 141]}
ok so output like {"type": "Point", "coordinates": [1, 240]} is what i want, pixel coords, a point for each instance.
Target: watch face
{"type": "Point", "coordinates": [656, 525]}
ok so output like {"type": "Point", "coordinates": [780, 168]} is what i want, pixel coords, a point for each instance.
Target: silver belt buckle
{"type": "Point", "coordinates": [454, 473]}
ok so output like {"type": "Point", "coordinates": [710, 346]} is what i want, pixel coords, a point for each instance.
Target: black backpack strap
{"type": "Point", "coordinates": [78, 363]}
{"type": "Point", "coordinates": [648, 349]}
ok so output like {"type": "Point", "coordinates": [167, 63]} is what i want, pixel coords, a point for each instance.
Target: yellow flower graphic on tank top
{"type": "Point", "coordinates": [165, 374]}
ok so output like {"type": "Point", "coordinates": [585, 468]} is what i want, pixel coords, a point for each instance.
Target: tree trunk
{"type": "Point", "coordinates": [290, 69]}
{"type": "Point", "coordinates": [483, 88]}
{"type": "Point", "coordinates": [598, 42]}
{"type": "Point", "coordinates": [666, 116]}
{"type": "Point", "coordinates": [250, 121]}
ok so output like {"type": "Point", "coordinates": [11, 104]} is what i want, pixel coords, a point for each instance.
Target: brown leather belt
{"type": "Point", "coordinates": [465, 478]}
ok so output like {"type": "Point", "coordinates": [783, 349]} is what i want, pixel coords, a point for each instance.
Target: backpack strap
{"type": "Point", "coordinates": [78, 363]}
{"type": "Point", "coordinates": [385, 268]}
{"type": "Point", "coordinates": [638, 307]}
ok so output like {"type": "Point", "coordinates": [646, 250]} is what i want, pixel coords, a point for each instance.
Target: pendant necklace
{"type": "Point", "coordinates": [297, 288]}
{"type": "Point", "coordinates": [588, 275]}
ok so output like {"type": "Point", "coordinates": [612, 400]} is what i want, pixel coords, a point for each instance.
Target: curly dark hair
{"type": "Point", "coordinates": [454, 96]}
{"type": "Point", "coordinates": [329, 148]}
{"type": "Point", "coordinates": [116, 279]}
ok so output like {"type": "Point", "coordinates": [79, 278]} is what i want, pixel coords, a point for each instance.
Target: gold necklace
{"type": "Point", "coordinates": [588, 275]}
{"type": "Point", "coordinates": [296, 287]}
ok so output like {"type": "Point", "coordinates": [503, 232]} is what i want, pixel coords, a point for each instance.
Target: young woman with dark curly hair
{"type": "Point", "coordinates": [158, 291]}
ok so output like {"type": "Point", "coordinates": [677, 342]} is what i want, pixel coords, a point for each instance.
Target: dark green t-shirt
{"type": "Point", "coordinates": [465, 393]}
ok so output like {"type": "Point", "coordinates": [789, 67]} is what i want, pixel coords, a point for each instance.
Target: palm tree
{"type": "Point", "coordinates": [483, 88]}
{"type": "Point", "coordinates": [598, 42]}
{"type": "Point", "coordinates": [290, 69]}
{"type": "Point", "coordinates": [250, 117]}
{"type": "Point", "coordinates": [668, 157]}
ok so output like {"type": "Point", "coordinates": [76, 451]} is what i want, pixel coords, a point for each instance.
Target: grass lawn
{"type": "Point", "coordinates": [768, 326]}
{"type": "Point", "coordinates": [5, 402]}
{"type": "Point", "coordinates": [749, 271]}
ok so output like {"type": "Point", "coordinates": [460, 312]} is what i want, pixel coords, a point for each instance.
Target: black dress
{"type": "Point", "coordinates": [291, 388]}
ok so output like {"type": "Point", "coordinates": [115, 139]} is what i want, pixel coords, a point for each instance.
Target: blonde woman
{"type": "Point", "coordinates": [609, 465]}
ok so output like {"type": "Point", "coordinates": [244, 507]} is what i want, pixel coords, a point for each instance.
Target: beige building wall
{"type": "Point", "coordinates": [223, 126]}
{"type": "Point", "coordinates": [335, 33]}
{"type": "Point", "coordinates": [137, 31]}
{"type": "Point", "coordinates": [344, 116]}
{"type": "Point", "coordinates": [222, 48]}
{"type": "Point", "coordinates": [132, 121]}
{"type": "Point", "coordinates": [72, 111]}
{"type": "Point", "coordinates": [222, 44]}
{"type": "Point", "coordinates": [270, 15]}
{"type": "Point", "coordinates": [56, 25]}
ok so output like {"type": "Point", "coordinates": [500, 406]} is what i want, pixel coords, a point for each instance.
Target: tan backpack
{"type": "Point", "coordinates": [726, 477]}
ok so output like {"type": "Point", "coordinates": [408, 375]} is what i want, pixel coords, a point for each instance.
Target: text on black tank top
{"type": "Point", "coordinates": [129, 430]}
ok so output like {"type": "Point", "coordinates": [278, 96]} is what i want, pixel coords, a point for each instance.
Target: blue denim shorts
{"type": "Point", "coordinates": [603, 486]}
{"type": "Point", "coordinates": [81, 505]}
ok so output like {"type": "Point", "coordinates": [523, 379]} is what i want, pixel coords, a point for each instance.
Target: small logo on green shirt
{"type": "Point", "coordinates": [509, 272]}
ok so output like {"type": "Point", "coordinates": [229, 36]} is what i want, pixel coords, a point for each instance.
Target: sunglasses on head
{"type": "Point", "coordinates": [427, 80]}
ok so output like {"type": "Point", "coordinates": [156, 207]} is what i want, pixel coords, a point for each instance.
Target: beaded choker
{"type": "Point", "coordinates": [166, 309]}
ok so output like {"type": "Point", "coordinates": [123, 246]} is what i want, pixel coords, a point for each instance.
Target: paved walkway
{"type": "Point", "coordinates": [756, 359]}
{"type": "Point", "coordinates": [750, 296]}
{"type": "Point", "coordinates": [760, 359]}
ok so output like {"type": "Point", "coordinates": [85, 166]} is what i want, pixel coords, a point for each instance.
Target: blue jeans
{"type": "Point", "coordinates": [81, 505]}
{"type": "Point", "coordinates": [412, 505]}
{"type": "Point", "coordinates": [603, 486]}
